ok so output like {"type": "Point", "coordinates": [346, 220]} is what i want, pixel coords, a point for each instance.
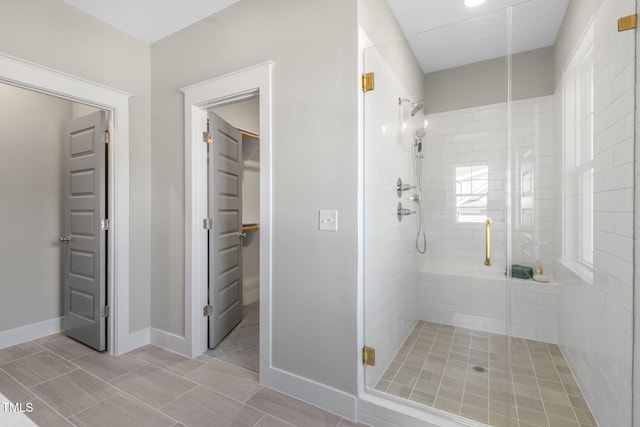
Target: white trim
{"type": "Point", "coordinates": [312, 392]}
{"type": "Point", "coordinates": [30, 332]}
{"type": "Point", "coordinates": [250, 80]}
{"type": "Point", "coordinates": [31, 76]}
{"type": "Point", "coordinates": [138, 339]}
{"type": "Point", "coordinates": [168, 340]}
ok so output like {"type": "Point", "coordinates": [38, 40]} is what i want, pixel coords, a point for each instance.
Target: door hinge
{"type": "Point", "coordinates": [628, 22]}
{"type": "Point", "coordinates": [106, 224]}
{"type": "Point", "coordinates": [107, 311]}
{"type": "Point", "coordinates": [207, 224]}
{"type": "Point", "coordinates": [368, 356]}
{"type": "Point", "coordinates": [107, 139]}
{"type": "Point", "coordinates": [367, 82]}
{"type": "Point", "coordinates": [206, 137]}
{"type": "Point", "coordinates": [207, 310]}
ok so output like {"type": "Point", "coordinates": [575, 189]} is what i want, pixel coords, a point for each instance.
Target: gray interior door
{"type": "Point", "coordinates": [84, 238]}
{"type": "Point", "coordinates": [225, 248]}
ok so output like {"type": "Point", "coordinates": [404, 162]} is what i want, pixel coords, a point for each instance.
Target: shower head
{"type": "Point", "coordinates": [415, 106]}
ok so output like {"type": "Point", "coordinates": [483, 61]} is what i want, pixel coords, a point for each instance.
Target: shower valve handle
{"type": "Point", "coordinates": [406, 187]}
{"type": "Point", "coordinates": [400, 187]}
{"type": "Point", "coordinates": [403, 212]}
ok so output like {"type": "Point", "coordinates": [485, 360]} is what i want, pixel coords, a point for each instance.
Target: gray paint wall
{"type": "Point", "coordinates": [535, 73]}
{"type": "Point", "coordinates": [32, 131]}
{"type": "Point", "coordinates": [485, 82]}
{"type": "Point", "coordinates": [379, 24]}
{"type": "Point", "coordinates": [53, 34]}
{"type": "Point", "coordinates": [243, 115]}
{"type": "Point", "coordinates": [314, 151]}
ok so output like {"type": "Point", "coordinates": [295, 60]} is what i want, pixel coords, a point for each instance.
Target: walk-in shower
{"type": "Point", "coordinates": [523, 148]}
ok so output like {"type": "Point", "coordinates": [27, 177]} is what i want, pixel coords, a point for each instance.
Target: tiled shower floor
{"type": "Point", "coordinates": [435, 367]}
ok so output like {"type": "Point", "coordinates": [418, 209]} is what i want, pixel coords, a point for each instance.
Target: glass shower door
{"type": "Point", "coordinates": [436, 248]}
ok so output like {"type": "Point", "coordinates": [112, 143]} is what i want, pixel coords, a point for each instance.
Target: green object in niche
{"type": "Point", "coordinates": [521, 271]}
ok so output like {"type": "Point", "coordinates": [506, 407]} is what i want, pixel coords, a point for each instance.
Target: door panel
{"type": "Point", "coordinates": [85, 242]}
{"type": "Point", "coordinates": [225, 250]}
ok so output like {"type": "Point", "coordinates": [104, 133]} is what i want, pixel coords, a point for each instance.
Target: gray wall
{"type": "Point", "coordinates": [53, 34]}
{"type": "Point", "coordinates": [243, 115]}
{"type": "Point", "coordinates": [378, 23]}
{"type": "Point", "coordinates": [485, 82]}
{"type": "Point", "coordinates": [32, 128]}
{"type": "Point", "coordinates": [535, 73]}
{"type": "Point", "coordinates": [315, 153]}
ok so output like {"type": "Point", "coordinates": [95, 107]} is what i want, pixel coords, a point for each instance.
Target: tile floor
{"type": "Point", "coordinates": [69, 384]}
{"type": "Point", "coordinates": [435, 367]}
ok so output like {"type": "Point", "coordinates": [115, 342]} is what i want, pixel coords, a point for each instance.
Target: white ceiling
{"type": "Point", "coordinates": [442, 33]}
{"type": "Point", "coordinates": [445, 34]}
{"type": "Point", "coordinates": [150, 20]}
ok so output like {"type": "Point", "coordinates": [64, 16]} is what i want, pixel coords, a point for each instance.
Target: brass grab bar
{"type": "Point", "coordinates": [487, 247]}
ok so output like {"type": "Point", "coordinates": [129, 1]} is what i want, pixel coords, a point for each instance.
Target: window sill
{"type": "Point", "coordinates": [579, 269]}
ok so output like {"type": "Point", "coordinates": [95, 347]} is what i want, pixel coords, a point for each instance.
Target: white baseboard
{"type": "Point", "coordinates": [169, 341]}
{"type": "Point", "coordinates": [30, 332]}
{"type": "Point", "coordinates": [135, 340]}
{"type": "Point", "coordinates": [314, 393]}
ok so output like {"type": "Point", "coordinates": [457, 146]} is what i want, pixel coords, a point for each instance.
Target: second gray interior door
{"type": "Point", "coordinates": [225, 244]}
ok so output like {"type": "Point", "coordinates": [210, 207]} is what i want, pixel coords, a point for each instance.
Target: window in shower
{"type": "Point", "coordinates": [578, 159]}
{"type": "Point", "coordinates": [472, 188]}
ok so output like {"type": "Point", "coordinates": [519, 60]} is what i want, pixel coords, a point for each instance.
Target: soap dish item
{"type": "Point", "coordinates": [541, 278]}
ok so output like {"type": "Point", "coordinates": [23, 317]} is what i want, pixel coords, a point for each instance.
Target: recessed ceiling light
{"type": "Point", "coordinates": [473, 3]}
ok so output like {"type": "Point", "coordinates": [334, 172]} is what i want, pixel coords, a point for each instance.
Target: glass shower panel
{"type": "Point", "coordinates": [572, 221]}
{"type": "Point", "coordinates": [435, 247]}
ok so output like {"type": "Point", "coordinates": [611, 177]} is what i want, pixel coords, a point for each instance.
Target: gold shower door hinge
{"type": "Point", "coordinates": [367, 82]}
{"type": "Point", "coordinates": [368, 356]}
{"type": "Point", "coordinates": [628, 22]}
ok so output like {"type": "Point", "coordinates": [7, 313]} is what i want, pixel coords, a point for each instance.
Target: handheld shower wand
{"type": "Point", "coordinates": [421, 238]}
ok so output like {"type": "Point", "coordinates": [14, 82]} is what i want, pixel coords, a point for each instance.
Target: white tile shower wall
{"type": "Point", "coordinates": [476, 136]}
{"type": "Point", "coordinates": [596, 319]}
{"type": "Point", "coordinates": [480, 303]}
{"type": "Point", "coordinates": [389, 252]}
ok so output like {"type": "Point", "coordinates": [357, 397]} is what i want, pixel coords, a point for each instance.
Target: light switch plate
{"type": "Point", "coordinates": [328, 220]}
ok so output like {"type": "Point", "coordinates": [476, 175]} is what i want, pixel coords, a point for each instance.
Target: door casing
{"type": "Point", "coordinates": [237, 86]}
{"type": "Point", "coordinates": [17, 72]}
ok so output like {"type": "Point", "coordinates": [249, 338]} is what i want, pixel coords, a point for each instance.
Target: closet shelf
{"type": "Point", "coordinates": [250, 227]}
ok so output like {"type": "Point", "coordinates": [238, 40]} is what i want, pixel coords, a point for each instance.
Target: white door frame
{"type": "Point", "coordinates": [17, 72]}
{"type": "Point", "coordinates": [235, 86]}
